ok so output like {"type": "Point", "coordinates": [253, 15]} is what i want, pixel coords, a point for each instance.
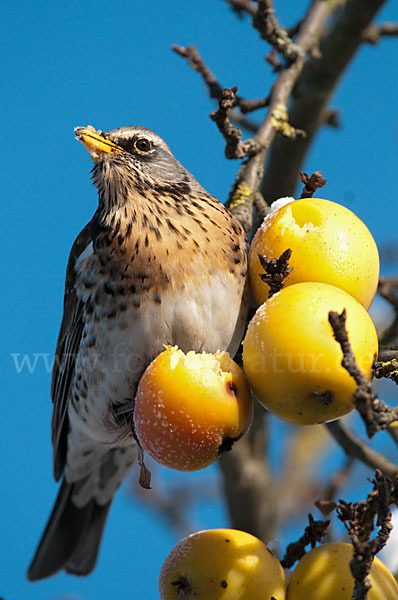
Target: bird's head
{"type": "Point", "coordinates": [131, 158]}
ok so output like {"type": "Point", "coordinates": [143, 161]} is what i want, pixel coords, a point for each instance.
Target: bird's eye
{"type": "Point", "coordinates": [143, 145]}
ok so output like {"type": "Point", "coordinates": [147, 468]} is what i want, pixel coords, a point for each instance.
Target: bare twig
{"type": "Point", "coordinates": [276, 271]}
{"type": "Point", "coordinates": [388, 289]}
{"type": "Point", "coordinates": [354, 448]}
{"type": "Point", "coordinates": [234, 147]}
{"type": "Point", "coordinates": [373, 33]}
{"type": "Point", "coordinates": [241, 198]}
{"type": "Point", "coordinates": [325, 506]}
{"type": "Point", "coordinates": [387, 369]}
{"type": "Point", "coordinates": [388, 251]}
{"type": "Point", "coordinates": [375, 414]}
{"type": "Point", "coordinates": [314, 532]}
{"type": "Point", "coordinates": [265, 21]}
{"type": "Point", "coordinates": [383, 414]}
{"type": "Point", "coordinates": [251, 172]}
{"type": "Point", "coordinates": [358, 519]}
{"type": "Point", "coordinates": [386, 354]}
{"type": "Point", "coordinates": [216, 90]}
{"type": "Point", "coordinates": [331, 117]}
{"type": "Point", "coordinates": [311, 183]}
{"type": "Point", "coordinates": [197, 63]}
{"type": "Point", "coordinates": [363, 395]}
{"type": "Point", "coordinates": [273, 60]}
{"type": "Point", "coordinates": [240, 7]}
{"type": "Point", "coordinates": [251, 105]}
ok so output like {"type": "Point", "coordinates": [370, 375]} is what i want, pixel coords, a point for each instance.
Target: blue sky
{"type": "Point", "coordinates": [109, 64]}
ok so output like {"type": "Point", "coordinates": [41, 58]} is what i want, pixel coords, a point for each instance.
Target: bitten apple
{"type": "Point", "coordinates": [191, 407]}
{"type": "Point", "coordinates": [329, 244]}
{"type": "Point", "coordinates": [221, 564]}
{"type": "Point", "coordinates": [324, 573]}
{"type": "Point", "coordinates": [293, 362]}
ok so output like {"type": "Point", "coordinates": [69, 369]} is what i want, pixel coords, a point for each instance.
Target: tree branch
{"type": "Point", "coordinates": [234, 147]}
{"type": "Point", "coordinates": [262, 208]}
{"type": "Point", "coordinates": [251, 172]}
{"type": "Point", "coordinates": [240, 7]}
{"type": "Point", "coordinates": [197, 63]}
{"type": "Point", "coordinates": [216, 90]}
{"type": "Point", "coordinates": [352, 446]}
{"type": "Point", "coordinates": [249, 483]}
{"type": "Point", "coordinates": [387, 369]}
{"type": "Point", "coordinates": [359, 519]}
{"type": "Point", "coordinates": [241, 199]}
{"type": "Point", "coordinates": [374, 33]}
{"type": "Point", "coordinates": [265, 21]}
{"type": "Point", "coordinates": [313, 90]}
{"type": "Point", "coordinates": [314, 532]}
{"type": "Point", "coordinates": [376, 415]}
{"type": "Point", "coordinates": [311, 184]}
{"type": "Point", "coordinates": [388, 289]}
{"type": "Point", "coordinates": [386, 354]}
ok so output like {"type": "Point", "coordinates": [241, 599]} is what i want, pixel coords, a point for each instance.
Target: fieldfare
{"type": "Point", "coordinates": [161, 262]}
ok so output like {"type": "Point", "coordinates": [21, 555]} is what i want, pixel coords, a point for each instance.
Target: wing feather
{"type": "Point", "coordinates": [65, 354]}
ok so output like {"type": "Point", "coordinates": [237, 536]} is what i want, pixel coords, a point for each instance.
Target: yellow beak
{"type": "Point", "coordinates": [94, 142]}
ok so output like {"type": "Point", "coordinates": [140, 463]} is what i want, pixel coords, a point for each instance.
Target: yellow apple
{"type": "Point", "coordinates": [329, 244]}
{"type": "Point", "coordinates": [293, 362]}
{"type": "Point", "coordinates": [324, 573]}
{"type": "Point", "coordinates": [221, 564]}
{"type": "Point", "coordinates": [191, 407]}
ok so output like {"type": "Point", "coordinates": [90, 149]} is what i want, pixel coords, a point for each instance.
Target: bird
{"type": "Point", "coordinates": [162, 262]}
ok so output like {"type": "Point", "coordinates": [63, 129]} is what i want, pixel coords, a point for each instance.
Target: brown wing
{"type": "Point", "coordinates": [65, 354]}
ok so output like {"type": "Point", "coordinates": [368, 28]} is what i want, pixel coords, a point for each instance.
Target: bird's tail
{"type": "Point", "coordinates": [71, 538]}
